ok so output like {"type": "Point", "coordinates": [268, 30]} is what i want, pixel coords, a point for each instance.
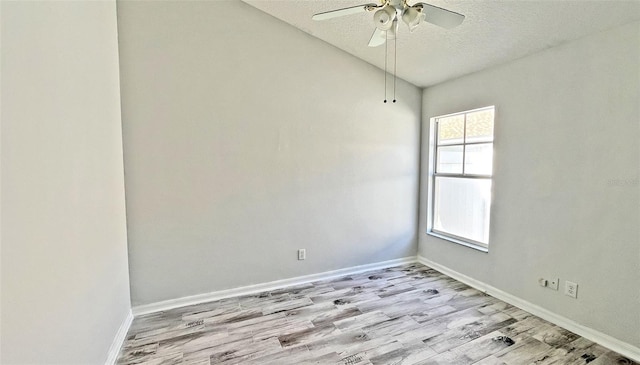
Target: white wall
{"type": "Point", "coordinates": [246, 139]}
{"type": "Point", "coordinates": [566, 188]}
{"type": "Point", "coordinates": [64, 269]}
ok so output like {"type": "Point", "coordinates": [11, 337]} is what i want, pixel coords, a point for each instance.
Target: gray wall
{"type": "Point", "coordinates": [566, 188]}
{"type": "Point", "coordinates": [64, 257]}
{"type": "Point", "coordinates": [246, 139]}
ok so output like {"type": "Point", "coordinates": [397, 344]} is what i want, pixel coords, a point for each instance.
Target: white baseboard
{"type": "Point", "coordinates": [258, 288]}
{"type": "Point", "coordinates": [118, 341]}
{"type": "Point", "coordinates": [603, 339]}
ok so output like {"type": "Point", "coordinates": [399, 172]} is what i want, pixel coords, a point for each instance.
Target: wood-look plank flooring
{"type": "Point", "coordinates": [404, 315]}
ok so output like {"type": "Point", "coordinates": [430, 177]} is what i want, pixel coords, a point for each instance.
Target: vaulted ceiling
{"type": "Point", "coordinates": [493, 32]}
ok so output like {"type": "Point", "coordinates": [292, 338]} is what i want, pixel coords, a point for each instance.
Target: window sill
{"type": "Point", "coordinates": [460, 242]}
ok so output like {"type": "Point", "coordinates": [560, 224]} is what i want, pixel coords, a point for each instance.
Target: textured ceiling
{"type": "Point", "coordinates": [493, 32]}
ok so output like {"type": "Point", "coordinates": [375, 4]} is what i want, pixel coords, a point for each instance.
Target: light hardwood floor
{"type": "Point", "coordinates": [405, 315]}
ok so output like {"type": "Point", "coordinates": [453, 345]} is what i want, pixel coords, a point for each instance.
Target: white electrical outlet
{"type": "Point", "coordinates": [571, 289]}
{"type": "Point", "coordinates": [302, 254]}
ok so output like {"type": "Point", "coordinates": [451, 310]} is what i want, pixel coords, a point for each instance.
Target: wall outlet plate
{"type": "Point", "coordinates": [571, 289]}
{"type": "Point", "coordinates": [302, 254]}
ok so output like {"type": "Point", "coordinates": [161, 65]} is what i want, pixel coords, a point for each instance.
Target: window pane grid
{"type": "Point", "coordinates": [468, 176]}
{"type": "Point", "coordinates": [464, 144]}
{"type": "Point", "coordinates": [439, 145]}
{"type": "Point", "coordinates": [465, 139]}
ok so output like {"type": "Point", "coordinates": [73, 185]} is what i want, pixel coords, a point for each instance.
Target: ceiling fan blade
{"type": "Point", "coordinates": [378, 38]}
{"type": "Point", "coordinates": [441, 17]}
{"type": "Point", "coordinates": [342, 12]}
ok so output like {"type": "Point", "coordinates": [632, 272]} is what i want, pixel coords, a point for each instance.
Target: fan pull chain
{"type": "Point", "coordinates": [385, 71]}
{"type": "Point", "coordinates": [395, 65]}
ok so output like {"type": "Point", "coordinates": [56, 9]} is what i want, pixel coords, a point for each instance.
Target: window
{"type": "Point", "coordinates": [461, 171]}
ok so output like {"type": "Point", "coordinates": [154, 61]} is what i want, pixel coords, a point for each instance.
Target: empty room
{"type": "Point", "coordinates": [320, 182]}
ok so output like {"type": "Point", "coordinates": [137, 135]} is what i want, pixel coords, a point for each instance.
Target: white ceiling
{"type": "Point", "coordinates": [493, 32]}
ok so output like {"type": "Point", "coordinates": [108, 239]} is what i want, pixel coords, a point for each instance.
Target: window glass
{"type": "Point", "coordinates": [478, 159]}
{"type": "Point", "coordinates": [462, 207]}
{"type": "Point", "coordinates": [479, 126]}
{"type": "Point", "coordinates": [450, 159]}
{"type": "Point", "coordinates": [451, 130]}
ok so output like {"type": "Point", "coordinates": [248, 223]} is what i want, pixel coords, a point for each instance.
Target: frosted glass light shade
{"type": "Point", "coordinates": [384, 17]}
{"type": "Point", "coordinates": [412, 18]}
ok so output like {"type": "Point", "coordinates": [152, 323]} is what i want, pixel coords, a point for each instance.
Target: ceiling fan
{"type": "Point", "coordinates": [387, 13]}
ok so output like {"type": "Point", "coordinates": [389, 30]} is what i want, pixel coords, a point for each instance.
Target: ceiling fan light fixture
{"type": "Point", "coordinates": [412, 17]}
{"type": "Point", "coordinates": [384, 17]}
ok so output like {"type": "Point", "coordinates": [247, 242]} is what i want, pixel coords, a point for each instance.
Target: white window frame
{"type": "Point", "coordinates": [433, 136]}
